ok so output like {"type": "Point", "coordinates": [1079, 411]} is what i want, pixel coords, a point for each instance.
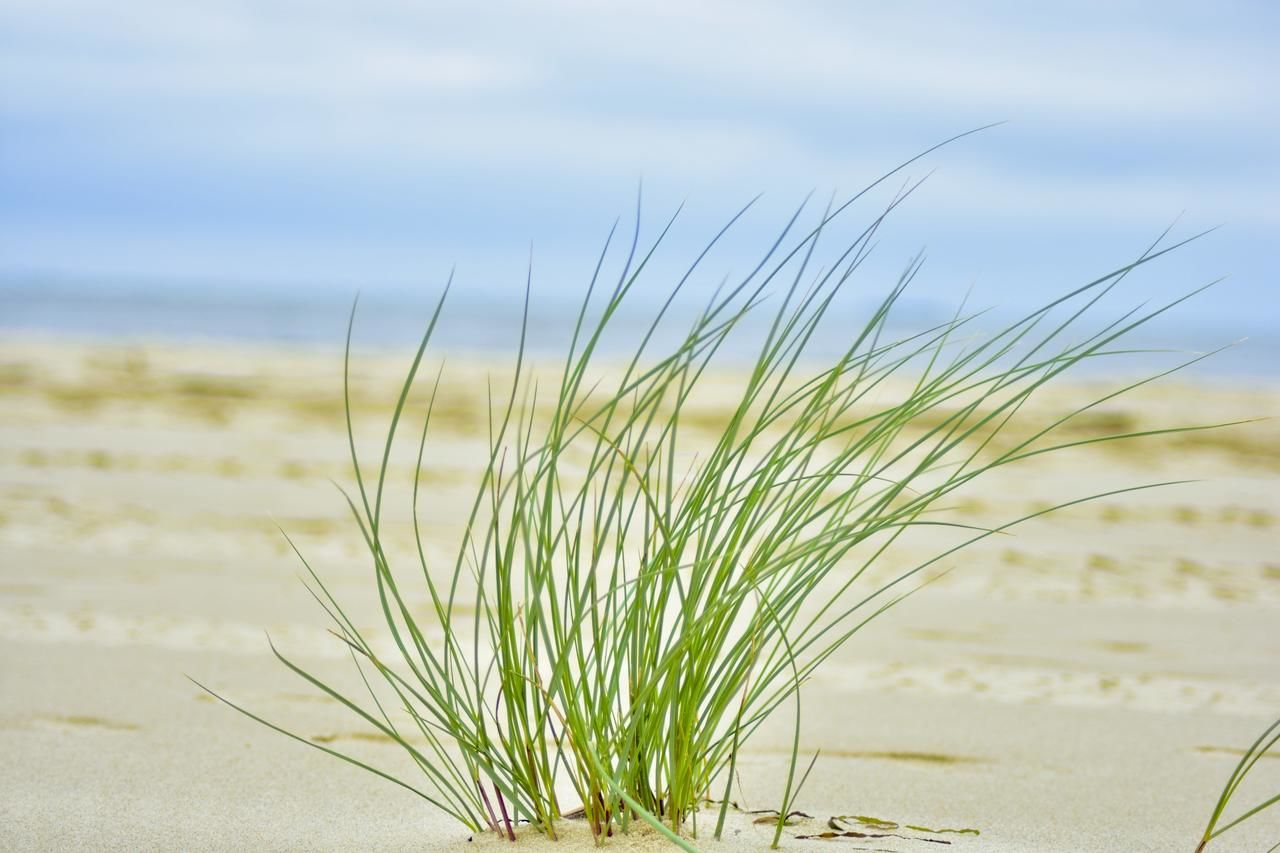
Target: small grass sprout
{"type": "Point", "coordinates": [630, 598]}
{"type": "Point", "coordinates": [1268, 739]}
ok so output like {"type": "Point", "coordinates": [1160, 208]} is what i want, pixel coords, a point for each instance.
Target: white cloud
{"type": "Point", "coordinates": [917, 55]}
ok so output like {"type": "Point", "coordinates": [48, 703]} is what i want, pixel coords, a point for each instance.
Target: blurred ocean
{"type": "Point", "coordinates": [481, 322]}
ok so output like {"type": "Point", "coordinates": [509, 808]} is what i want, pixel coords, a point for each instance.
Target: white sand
{"type": "Point", "coordinates": [1081, 685]}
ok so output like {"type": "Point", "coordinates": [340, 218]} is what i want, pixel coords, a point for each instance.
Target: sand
{"type": "Point", "coordinates": [1084, 684]}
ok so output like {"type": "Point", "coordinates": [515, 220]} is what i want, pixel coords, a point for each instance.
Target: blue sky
{"type": "Point", "coordinates": [375, 144]}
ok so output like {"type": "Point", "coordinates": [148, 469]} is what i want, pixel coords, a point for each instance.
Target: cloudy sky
{"type": "Point", "coordinates": [375, 144]}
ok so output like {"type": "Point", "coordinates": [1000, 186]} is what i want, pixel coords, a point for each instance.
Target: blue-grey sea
{"type": "Point", "coordinates": [126, 310]}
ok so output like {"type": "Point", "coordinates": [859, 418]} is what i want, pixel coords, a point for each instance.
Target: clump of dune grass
{"type": "Point", "coordinates": [1268, 739]}
{"type": "Point", "coordinates": [626, 607]}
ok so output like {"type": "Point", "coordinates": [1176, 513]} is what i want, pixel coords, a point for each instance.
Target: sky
{"type": "Point", "coordinates": [321, 147]}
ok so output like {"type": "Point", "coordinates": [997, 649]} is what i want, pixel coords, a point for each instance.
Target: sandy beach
{"type": "Point", "coordinates": [1084, 683]}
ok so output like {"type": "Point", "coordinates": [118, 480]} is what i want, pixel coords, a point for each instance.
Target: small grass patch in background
{"type": "Point", "coordinates": [1261, 748]}
{"type": "Point", "coordinates": [623, 610]}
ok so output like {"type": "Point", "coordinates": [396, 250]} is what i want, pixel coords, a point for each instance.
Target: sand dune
{"type": "Point", "coordinates": [1083, 684]}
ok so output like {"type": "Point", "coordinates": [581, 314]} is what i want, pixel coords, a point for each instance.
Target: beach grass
{"type": "Point", "coordinates": [626, 606]}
